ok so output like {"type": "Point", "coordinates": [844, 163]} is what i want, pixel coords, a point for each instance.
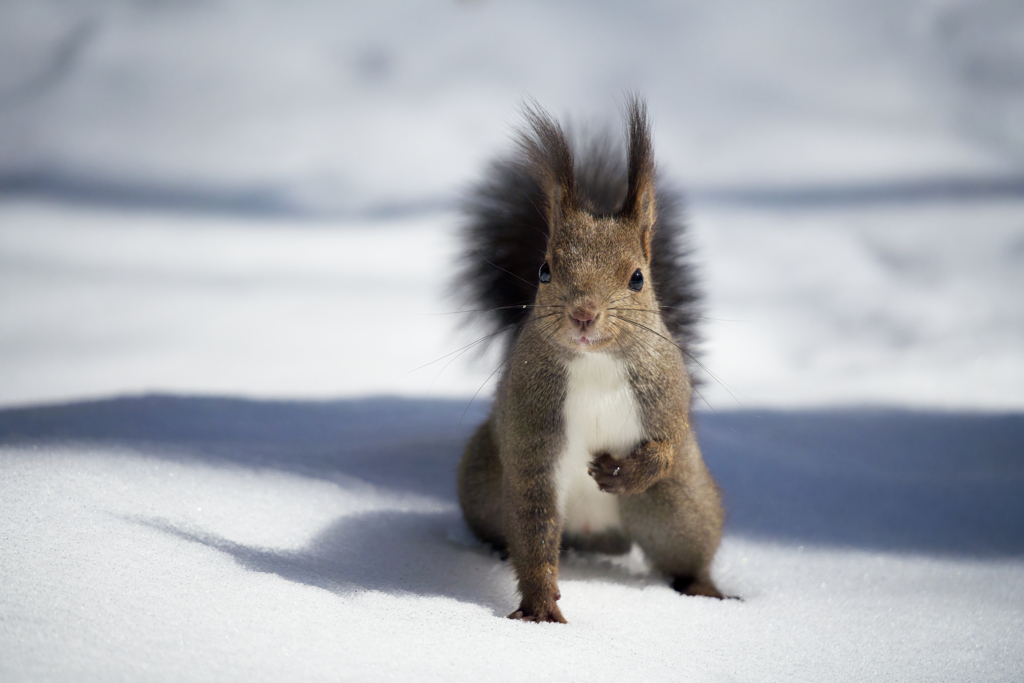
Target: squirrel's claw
{"type": "Point", "coordinates": [553, 615]}
{"type": "Point", "coordinates": [611, 474]}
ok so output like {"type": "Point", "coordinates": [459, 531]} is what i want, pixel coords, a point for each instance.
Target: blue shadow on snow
{"type": "Point", "coordinates": [928, 482]}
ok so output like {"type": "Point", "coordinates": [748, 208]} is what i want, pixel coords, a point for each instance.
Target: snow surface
{"type": "Point", "coordinates": [170, 538]}
{"type": "Point", "coordinates": [231, 395]}
{"type": "Point", "coordinates": [195, 537]}
{"type": "Point", "coordinates": [908, 305]}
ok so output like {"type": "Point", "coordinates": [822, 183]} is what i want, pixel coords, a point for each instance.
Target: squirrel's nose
{"type": "Point", "coordinates": [584, 315]}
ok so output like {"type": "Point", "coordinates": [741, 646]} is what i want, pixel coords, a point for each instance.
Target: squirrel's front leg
{"type": "Point", "coordinates": [637, 472]}
{"type": "Point", "coordinates": [534, 533]}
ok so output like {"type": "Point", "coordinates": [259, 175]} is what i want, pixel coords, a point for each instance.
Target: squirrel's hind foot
{"type": "Point", "coordinates": [687, 585]}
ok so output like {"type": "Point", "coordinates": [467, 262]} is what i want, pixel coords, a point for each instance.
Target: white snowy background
{"type": "Point", "coordinates": [230, 411]}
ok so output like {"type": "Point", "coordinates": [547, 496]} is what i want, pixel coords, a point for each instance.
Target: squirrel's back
{"type": "Point", "coordinates": [505, 234]}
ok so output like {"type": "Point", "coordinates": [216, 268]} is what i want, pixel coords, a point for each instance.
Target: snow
{"type": "Point", "coordinates": [908, 305]}
{"type": "Point", "coordinates": [234, 390]}
{"type": "Point", "coordinates": [348, 106]}
{"type": "Point", "coordinates": [210, 539]}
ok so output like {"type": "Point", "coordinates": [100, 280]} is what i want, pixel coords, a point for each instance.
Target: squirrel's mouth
{"type": "Point", "coordinates": [589, 337]}
{"type": "Point", "coordinates": [588, 341]}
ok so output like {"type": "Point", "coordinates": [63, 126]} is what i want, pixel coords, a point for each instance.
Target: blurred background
{"type": "Point", "coordinates": [258, 198]}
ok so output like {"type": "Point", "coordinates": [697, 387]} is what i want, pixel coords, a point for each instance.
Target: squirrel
{"type": "Point", "coordinates": [575, 257]}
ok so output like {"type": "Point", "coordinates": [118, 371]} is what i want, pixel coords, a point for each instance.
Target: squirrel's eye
{"type": "Point", "coordinates": [545, 272]}
{"type": "Point", "coordinates": [636, 282]}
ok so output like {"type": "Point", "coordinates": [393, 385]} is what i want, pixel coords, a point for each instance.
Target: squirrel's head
{"type": "Point", "coordinates": [595, 291]}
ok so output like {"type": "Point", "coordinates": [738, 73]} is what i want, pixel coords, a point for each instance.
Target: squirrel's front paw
{"type": "Point", "coordinates": [611, 474]}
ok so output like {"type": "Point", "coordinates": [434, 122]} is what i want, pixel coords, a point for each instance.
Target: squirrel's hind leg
{"type": "Point", "coordinates": [479, 487]}
{"type": "Point", "coordinates": [678, 524]}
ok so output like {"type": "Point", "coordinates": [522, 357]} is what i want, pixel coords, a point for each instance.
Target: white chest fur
{"type": "Point", "coordinates": [601, 416]}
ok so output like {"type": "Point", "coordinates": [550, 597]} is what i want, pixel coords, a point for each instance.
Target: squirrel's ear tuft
{"type": "Point", "coordinates": [546, 151]}
{"type": "Point", "coordinates": [639, 205]}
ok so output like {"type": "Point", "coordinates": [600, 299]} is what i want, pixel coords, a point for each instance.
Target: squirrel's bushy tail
{"type": "Point", "coordinates": [506, 232]}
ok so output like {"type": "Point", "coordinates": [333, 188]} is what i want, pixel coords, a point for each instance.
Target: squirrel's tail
{"type": "Point", "coordinates": [505, 231]}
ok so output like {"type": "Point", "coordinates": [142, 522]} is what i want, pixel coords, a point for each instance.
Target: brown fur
{"type": "Point", "coordinates": [668, 502]}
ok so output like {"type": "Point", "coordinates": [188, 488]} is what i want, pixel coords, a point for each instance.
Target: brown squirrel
{"type": "Point", "coordinates": [589, 444]}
